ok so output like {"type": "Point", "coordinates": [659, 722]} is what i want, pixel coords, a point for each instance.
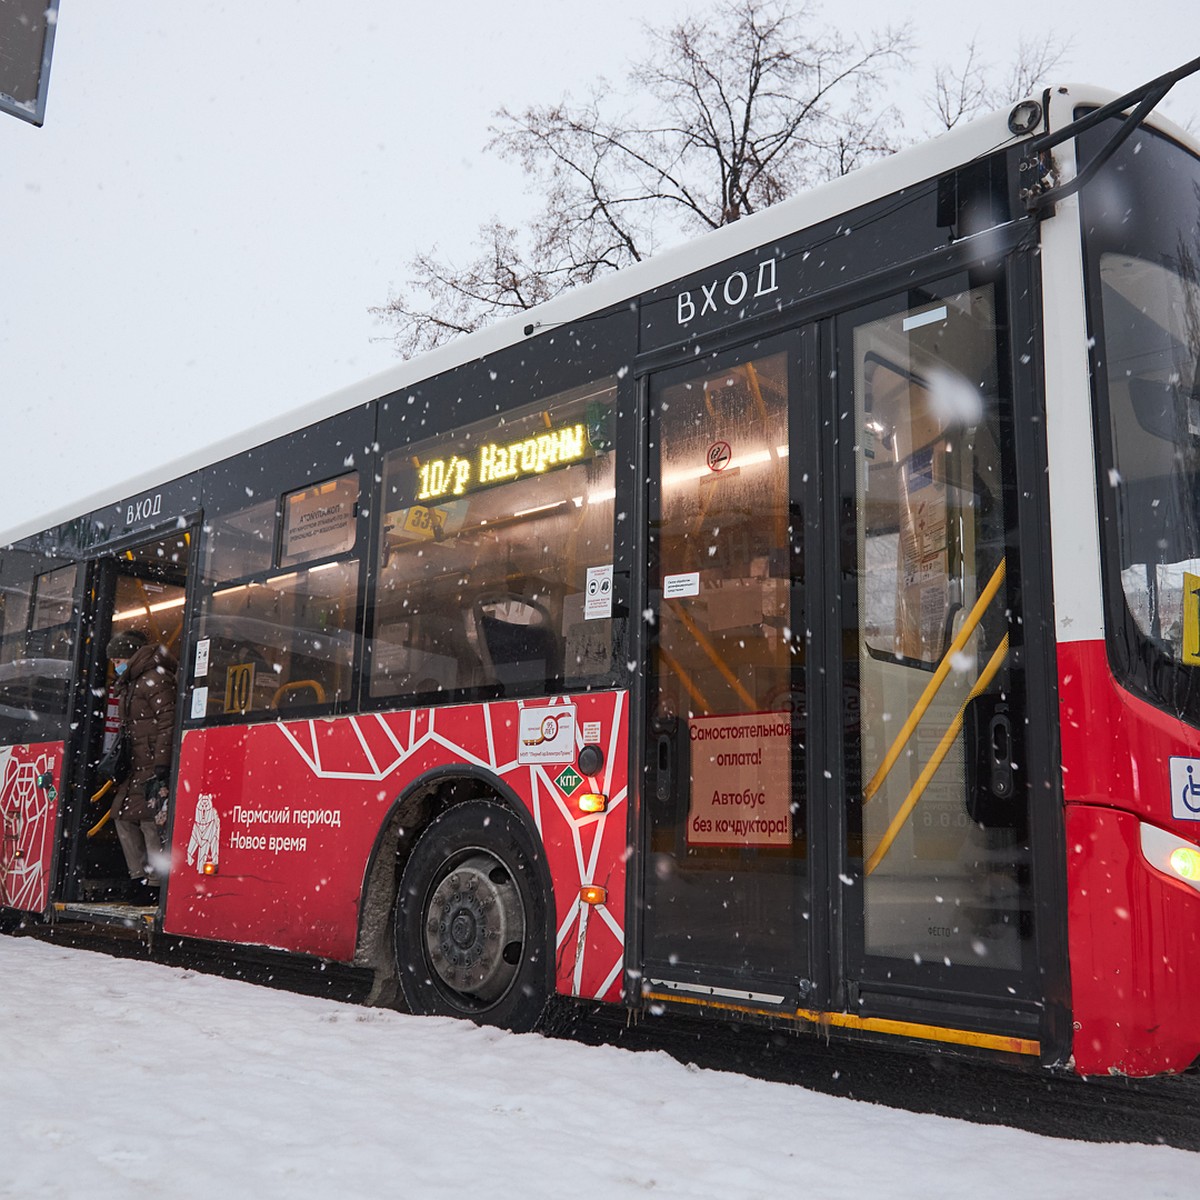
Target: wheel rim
{"type": "Point", "coordinates": [475, 929]}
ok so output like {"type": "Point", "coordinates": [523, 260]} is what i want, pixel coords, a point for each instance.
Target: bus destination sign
{"type": "Point", "coordinates": [497, 462]}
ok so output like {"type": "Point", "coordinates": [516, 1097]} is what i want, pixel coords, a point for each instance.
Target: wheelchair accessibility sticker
{"type": "Point", "coordinates": [1185, 789]}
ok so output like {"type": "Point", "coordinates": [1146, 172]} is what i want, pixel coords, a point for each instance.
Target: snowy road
{"type": "Point", "coordinates": [124, 1079]}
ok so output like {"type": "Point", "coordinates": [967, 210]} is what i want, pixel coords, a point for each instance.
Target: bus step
{"type": "Point", "coordinates": [132, 916]}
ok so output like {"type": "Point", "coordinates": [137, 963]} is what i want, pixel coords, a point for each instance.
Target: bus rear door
{"type": "Point", "coordinates": [141, 589]}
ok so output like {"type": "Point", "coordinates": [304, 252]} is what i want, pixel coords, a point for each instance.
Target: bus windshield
{"type": "Point", "coordinates": [1142, 227]}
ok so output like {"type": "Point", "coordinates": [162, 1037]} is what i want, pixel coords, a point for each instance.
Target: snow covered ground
{"type": "Point", "coordinates": [122, 1078]}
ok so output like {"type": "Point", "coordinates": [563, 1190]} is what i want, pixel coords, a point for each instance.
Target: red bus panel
{"type": "Point", "coordinates": [288, 815]}
{"type": "Point", "coordinates": [1134, 931]}
{"type": "Point", "coordinates": [28, 818]}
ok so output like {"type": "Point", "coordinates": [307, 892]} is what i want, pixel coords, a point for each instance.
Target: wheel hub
{"type": "Point", "coordinates": [475, 928]}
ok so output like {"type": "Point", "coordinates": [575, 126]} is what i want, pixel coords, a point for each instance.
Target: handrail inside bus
{"type": "Point", "coordinates": [95, 799]}
{"type": "Point", "coordinates": [935, 683]}
{"type": "Point", "coordinates": [717, 661]}
{"type": "Point", "coordinates": [673, 664]}
{"type": "Point", "coordinates": [313, 685]}
{"type": "Point", "coordinates": [935, 759]}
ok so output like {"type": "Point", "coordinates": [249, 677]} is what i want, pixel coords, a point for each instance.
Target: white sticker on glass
{"type": "Point", "coordinates": [928, 317]}
{"type": "Point", "coordinates": [202, 657]}
{"type": "Point", "coordinates": [675, 586]}
{"type": "Point", "coordinates": [597, 600]}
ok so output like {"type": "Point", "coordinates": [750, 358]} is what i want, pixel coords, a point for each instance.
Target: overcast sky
{"type": "Point", "coordinates": [221, 190]}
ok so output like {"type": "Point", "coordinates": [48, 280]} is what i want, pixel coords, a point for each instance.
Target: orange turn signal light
{"type": "Point", "coordinates": [593, 802]}
{"type": "Point", "coordinates": [592, 894]}
{"type": "Point", "coordinates": [210, 868]}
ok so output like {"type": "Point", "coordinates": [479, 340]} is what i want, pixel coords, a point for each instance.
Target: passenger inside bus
{"type": "Point", "coordinates": [145, 692]}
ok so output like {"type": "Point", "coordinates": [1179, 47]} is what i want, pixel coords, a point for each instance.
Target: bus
{"type": "Point", "coordinates": [801, 627]}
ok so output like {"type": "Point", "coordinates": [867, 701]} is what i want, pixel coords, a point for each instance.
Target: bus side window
{"type": "Point", "coordinates": [37, 627]}
{"type": "Point", "coordinates": [284, 639]}
{"type": "Point", "coordinates": [491, 536]}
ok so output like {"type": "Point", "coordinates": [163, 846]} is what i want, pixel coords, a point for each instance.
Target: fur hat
{"type": "Point", "coordinates": [127, 644]}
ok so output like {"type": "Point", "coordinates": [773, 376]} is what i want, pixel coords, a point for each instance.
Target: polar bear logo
{"type": "Point", "coordinates": [205, 843]}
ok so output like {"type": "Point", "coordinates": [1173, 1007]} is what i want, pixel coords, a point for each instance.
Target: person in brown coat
{"type": "Point", "coordinates": [145, 691]}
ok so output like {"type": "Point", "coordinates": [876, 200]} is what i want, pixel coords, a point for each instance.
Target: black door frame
{"type": "Point", "coordinates": [815, 420]}
{"type": "Point", "coordinates": [796, 343]}
{"type": "Point", "coordinates": [85, 736]}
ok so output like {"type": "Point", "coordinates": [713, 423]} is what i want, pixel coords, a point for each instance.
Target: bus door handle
{"type": "Point", "coordinates": [665, 731]}
{"type": "Point", "coordinates": [664, 763]}
{"type": "Point", "coordinates": [992, 730]}
{"type": "Point", "coordinates": [1000, 756]}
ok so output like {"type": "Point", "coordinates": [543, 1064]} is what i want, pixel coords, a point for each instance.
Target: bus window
{"type": "Point", "coordinates": [36, 644]}
{"type": "Point", "coordinates": [284, 637]}
{"type": "Point", "coordinates": [725, 518]}
{"type": "Point", "coordinates": [241, 543]}
{"type": "Point", "coordinates": [53, 593]}
{"type": "Point", "coordinates": [1144, 307]}
{"type": "Point", "coordinates": [491, 536]}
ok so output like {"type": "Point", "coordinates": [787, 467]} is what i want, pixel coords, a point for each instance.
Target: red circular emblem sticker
{"type": "Point", "coordinates": [718, 456]}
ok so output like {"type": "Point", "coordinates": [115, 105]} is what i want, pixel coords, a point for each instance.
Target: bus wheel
{"type": "Point", "coordinates": [471, 920]}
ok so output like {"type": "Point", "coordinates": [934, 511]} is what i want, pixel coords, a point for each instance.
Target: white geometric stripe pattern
{"type": "Point", "coordinates": [531, 781]}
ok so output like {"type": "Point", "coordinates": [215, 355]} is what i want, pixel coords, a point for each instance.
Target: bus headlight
{"type": "Point", "coordinates": [1185, 862]}
{"type": "Point", "coordinates": [1171, 855]}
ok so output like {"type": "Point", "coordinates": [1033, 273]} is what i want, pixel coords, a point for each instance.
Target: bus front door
{"type": "Point", "coordinates": [725, 877]}
{"type": "Point", "coordinates": [836, 794]}
{"type": "Point", "coordinates": [932, 891]}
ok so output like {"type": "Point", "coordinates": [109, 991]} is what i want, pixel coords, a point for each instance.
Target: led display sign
{"type": "Point", "coordinates": [501, 462]}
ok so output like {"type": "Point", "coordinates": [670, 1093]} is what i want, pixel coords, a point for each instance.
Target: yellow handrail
{"type": "Point", "coordinates": [935, 760]}
{"type": "Point", "coordinates": [935, 683]}
{"type": "Point", "coordinates": [296, 685]}
{"type": "Point", "coordinates": [692, 690]}
{"type": "Point", "coordinates": [716, 660]}
{"type": "Point", "coordinates": [96, 797]}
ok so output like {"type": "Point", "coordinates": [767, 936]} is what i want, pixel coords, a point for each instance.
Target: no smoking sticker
{"type": "Point", "coordinates": [718, 456]}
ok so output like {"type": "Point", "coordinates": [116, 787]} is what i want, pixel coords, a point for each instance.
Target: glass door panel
{"type": "Point", "coordinates": [938, 850]}
{"type": "Point", "coordinates": [725, 781]}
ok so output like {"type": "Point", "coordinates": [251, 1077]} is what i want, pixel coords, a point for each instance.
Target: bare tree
{"type": "Point", "coordinates": [974, 87]}
{"type": "Point", "coordinates": [736, 108]}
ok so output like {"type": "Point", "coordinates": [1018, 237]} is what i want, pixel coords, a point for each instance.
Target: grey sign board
{"type": "Point", "coordinates": [26, 43]}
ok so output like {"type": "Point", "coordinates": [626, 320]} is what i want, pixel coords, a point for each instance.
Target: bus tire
{"type": "Point", "coordinates": [470, 923]}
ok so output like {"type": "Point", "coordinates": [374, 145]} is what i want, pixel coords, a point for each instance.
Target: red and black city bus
{"type": "Point", "coordinates": [802, 626]}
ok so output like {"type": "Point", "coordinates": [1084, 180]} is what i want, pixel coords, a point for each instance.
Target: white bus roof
{"type": "Point", "coordinates": [884, 177]}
